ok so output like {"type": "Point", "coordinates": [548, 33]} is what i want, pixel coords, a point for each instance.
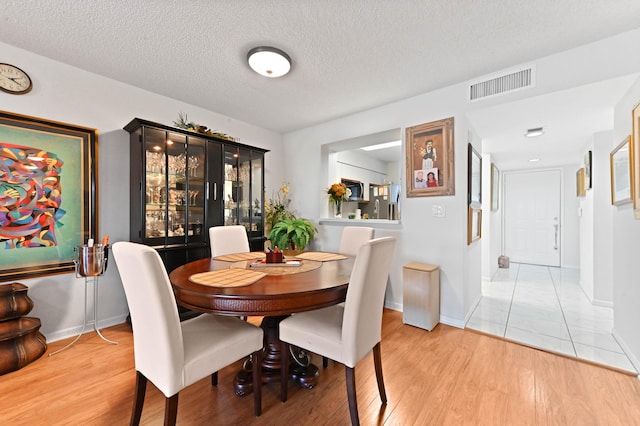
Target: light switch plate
{"type": "Point", "coordinates": [437, 211]}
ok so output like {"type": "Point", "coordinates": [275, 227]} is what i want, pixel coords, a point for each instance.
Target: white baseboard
{"type": "Point", "coordinates": [627, 350]}
{"type": "Point", "coordinates": [603, 303]}
{"type": "Point", "coordinates": [74, 331]}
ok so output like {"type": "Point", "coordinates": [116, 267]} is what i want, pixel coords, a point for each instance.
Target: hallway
{"type": "Point", "coordinates": [544, 307]}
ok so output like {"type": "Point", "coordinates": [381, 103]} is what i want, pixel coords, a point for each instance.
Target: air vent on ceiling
{"type": "Point", "coordinates": [506, 82]}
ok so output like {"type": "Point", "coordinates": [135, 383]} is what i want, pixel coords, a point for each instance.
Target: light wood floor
{"type": "Point", "coordinates": [444, 377]}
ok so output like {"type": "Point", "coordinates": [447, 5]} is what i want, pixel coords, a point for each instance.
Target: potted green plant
{"type": "Point", "coordinates": [292, 233]}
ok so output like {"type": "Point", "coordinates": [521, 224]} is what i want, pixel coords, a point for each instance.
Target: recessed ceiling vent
{"type": "Point", "coordinates": [503, 83]}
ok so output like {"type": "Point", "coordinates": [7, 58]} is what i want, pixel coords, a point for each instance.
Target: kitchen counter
{"type": "Point", "coordinates": [374, 223]}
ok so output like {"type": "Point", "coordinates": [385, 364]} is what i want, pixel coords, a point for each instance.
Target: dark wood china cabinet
{"type": "Point", "coordinates": [184, 182]}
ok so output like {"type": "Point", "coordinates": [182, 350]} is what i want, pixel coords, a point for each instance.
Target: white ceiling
{"type": "Point", "coordinates": [348, 56]}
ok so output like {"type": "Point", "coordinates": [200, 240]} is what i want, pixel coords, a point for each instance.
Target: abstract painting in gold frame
{"type": "Point", "coordinates": [48, 186]}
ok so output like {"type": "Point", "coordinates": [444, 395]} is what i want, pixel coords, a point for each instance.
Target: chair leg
{"type": "Point", "coordinates": [325, 362]}
{"type": "Point", "coordinates": [377, 361]}
{"type": "Point", "coordinates": [138, 398]}
{"type": "Point", "coordinates": [284, 370]}
{"type": "Point", "coordinates": [257, 382]}
{"type": "Point", "coordinates": [351, 395]}
{"type": "Point", "coordinates": [214, 379]}
{"type": "Point", "coordinates": [171, 410]}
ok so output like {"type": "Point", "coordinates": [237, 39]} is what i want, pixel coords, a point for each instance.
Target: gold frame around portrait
{"type": "Point", "coordinates": [620, 165]}
{"type": "Point", "coordinates": [441, 132]}
{"type": "Point", "coordinates": [580, 189]}
{"type": "Point", "coordinates": [635, 164]}
{"type": "Point", "coordinates": [495, 188]}
{"type": "Point", "coordinates": [474, 224]}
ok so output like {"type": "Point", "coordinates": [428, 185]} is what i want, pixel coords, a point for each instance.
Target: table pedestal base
{"type": "Point", "coordinates": [305, 375]}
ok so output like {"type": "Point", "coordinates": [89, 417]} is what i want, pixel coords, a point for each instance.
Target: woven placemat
{"type": "Point", "coordinates": [320, 256]}
{"type": "Point", "coordinates": [240, 256]}
{"type": "Point", "coordinates": [227, 277]}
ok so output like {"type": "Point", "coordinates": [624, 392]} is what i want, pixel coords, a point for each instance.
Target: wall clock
{"type": "Point", "coordinates": [13, 80]}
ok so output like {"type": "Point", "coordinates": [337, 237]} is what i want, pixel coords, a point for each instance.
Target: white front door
{"type": "Point", "coordinates": [532, 217]}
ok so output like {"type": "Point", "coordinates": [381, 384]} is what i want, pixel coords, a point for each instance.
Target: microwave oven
{"type": "Point", "coordinates": [357, 189]}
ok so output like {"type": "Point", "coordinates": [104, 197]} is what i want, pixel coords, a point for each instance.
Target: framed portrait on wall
{"type": "Point", "coordinates": [429, 159]}
{"type": "Point", "coordinates": [580, 191]}
{"type": "Point", "coordinates": [620, 162]}
{"type": "Point", "coordinates": [495, 187]}
{"type": "Point", "coordinates": [474, 225]}
{"type": "Point", "coordinates": [635, 168]}
{"type": "Point", "coordinates": [474, 176]}
{"type": "Point", "coordinates": [48, 188]}
{"type": "Point", "coordinates": [587, 170]}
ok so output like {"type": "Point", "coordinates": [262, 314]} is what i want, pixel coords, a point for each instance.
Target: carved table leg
{"type": "Point", "coordinates": [305, 375]}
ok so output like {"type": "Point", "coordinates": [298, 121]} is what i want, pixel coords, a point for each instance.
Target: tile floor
{"type": "Point", "coordinates": [545, 307]}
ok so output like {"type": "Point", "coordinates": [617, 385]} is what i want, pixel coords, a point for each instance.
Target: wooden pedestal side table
{"type": "Point", "coordinates": [20, 339]}
{"type": "Point", "coordinates": [421, 295]}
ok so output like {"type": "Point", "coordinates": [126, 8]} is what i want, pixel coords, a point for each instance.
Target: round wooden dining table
{"type": "Point", "coordinates": [273, 297]}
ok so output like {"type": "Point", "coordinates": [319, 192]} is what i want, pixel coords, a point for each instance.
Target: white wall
{"type": "Point", "coordinates": [440, 241]}
{"type": "Point", "coordinates": [570, 230]}
{"type": "Point", "coordinates": [587, 234]}
{"type": "Point", "coordinates": [603, 216]}
{"type": "Point", "coordinates": [626, 238]}
{"type": "Point", "coordinates": [596, 239]}
{"type": "Point", "coordinates": [67, 94]}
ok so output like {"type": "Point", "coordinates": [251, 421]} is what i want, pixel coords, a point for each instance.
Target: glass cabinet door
{"type": "Point", "coordinates": [230, 189]}
{"type": "Point", "coordinates": [155, 184]}
{"type": "Point", "coordinates": [174, 185]}
{"type": "Point", "coordinates": [243, 193]}
{"type": "Point", "coordinates": [196, 193]}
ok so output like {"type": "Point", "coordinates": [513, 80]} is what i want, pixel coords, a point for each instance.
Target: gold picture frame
{"type": "Point", "coordinates": [620, 163]}
{"type": "Point", "coordinates": [52, 184]}
{"type": "Point", "coordinates": [635, 164]}
{"type": "Point", "coordinates": [580, 189]}
{"type": "Point", "coordinates": [429, 159]}
{"type": "Point", "coordinates": [474, 225]}
{"type": "Point", "coordinates": [495, 188]}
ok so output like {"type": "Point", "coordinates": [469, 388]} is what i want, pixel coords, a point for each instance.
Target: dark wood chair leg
{"type": "Point", "coordinates": [214, 379]}
{"type": "Point", "coordinates": [284, 370]}
{"type": "Point", "coordinates": [171, 410]}
{"type": "Point", "coordinates": [377, 361]}
{"type": "Point", "coordinates": [351, 395]}
{"type": "Point", "coordinates": [325, 362]}
{"type": "Point", "coordinates": [257, 382]}
{"type": "Point", "coordinates": [138, 398]}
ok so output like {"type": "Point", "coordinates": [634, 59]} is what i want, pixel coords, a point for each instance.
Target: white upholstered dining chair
{"type": "Point", "coordinates": [346, 333]}
{"type": "Point", "coordinates": [228, 240]}
{"type": "Point", "coordinates": [353, 237]}
{"type": "Point", "coordinates": [173, 354]}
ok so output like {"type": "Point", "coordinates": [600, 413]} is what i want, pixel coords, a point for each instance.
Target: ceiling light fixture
{"type": "Point", "coordinates": [269, 61]}
{"type": "Point", "coordinates": [534, 160]}
{"type": "Point", "coordinates": [381, 146]}
{"type": "Point", "coordinates": [534, 132]}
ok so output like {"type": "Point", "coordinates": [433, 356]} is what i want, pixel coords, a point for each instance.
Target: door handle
{"type": "Point", "coordinates": [555, 244]}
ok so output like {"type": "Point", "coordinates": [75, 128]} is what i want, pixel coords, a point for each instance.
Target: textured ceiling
{"type": "Point", "coordinates": [348, 55]}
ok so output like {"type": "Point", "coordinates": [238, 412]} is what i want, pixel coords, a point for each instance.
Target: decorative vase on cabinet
{"type": "Point", "coordinates": [180, 188]}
